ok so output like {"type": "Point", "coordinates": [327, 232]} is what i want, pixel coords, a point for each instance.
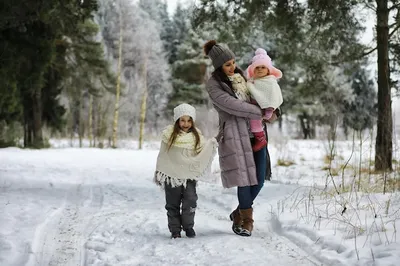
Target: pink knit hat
{"type": "Point", "coordinates": [262, 59]}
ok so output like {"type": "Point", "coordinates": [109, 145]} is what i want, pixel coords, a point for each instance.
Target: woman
{"type": "Point", "coordinates": [240, 166]}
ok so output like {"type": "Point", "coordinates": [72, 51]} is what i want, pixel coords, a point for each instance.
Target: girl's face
{"type": "Point", "coordinates": [261, 71]}
{"type": "Point", "coordinates": [185, 123]}
{"type": "Point", "coordinates": [229, 67]}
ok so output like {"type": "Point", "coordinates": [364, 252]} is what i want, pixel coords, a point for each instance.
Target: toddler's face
{"type": "Point", "coordinates": [185, 123]}
{"type": "Point", "coordinates": [261, 71]}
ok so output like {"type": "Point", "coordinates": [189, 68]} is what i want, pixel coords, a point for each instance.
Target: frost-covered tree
{"type": "Point", "coordinates": [158, 11]}
{"type": "Point", "coordinates": [303, 43]}
{"type": "Point", "coordinates": [189, 72]}
{"type": "Point", "coordinates": [190, 66]}
{"type": "Point", "coordinates": [144, 59]}
{"type": "Point", "coordinates": [360, 113]}
{"type": "Point", "coordinates": [180, 24]}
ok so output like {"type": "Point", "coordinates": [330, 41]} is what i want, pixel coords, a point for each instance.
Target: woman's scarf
{"type": "Point", "coordinates": [240, 87]}
{"type": "Point", "coordinates": [180, 163]}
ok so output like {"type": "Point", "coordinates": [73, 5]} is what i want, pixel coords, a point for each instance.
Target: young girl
{"type": "Point", "coordinates": [264, 88]}
{"type": "Point", "coordinates": [184, 158]}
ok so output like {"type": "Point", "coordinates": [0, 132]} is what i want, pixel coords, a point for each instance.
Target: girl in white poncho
{"type": "Point", "coordinates": [185, 157]}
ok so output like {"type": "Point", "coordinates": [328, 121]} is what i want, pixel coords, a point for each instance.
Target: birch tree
{"type": "Point", "coordinates": [141, 42]}
{"type": "Point", "coordinates": [144, 102]}
{"type": "Point", "coordinates": [118, 88]}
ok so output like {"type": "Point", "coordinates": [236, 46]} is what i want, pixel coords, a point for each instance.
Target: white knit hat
{"type": "Point", "coordinates": [184, 109]}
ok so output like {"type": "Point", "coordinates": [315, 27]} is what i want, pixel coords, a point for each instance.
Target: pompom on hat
{"type": "Point", "coordinates": [184, 109]}
{"type": "Point", "coordinates": [218, 53]}
{"type": "Point", "coordinates": [262, 59]}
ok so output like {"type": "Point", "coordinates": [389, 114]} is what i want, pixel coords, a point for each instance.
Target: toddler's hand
{"type": "Point", "coordinates": [268, 113]}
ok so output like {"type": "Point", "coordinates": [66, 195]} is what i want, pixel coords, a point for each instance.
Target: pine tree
{"type": "Point", "coordinates": [89, 75]}
{"type": "Point", "coordinates": [189, 72]}
{"type": "Point", "coordinates": [36, 39]}
{"type": "Point", "coordinates": [158, 11]}
{"type": "Point", "coordinates": [360, 113]}
{"type": "Point", "coordinates": [180, 23]}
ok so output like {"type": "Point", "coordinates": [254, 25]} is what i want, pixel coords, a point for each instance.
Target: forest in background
{"type": "Point", "coordinates": [107, 70]}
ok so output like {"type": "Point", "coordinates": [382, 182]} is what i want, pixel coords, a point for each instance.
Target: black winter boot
{"type": "Point", "coordinates": [176, 235]}
{"type": "Point", "coordinates": [190, 233]}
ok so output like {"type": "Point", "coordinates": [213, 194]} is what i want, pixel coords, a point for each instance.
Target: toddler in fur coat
{"type": "Point", "coordinates": [264, 89]}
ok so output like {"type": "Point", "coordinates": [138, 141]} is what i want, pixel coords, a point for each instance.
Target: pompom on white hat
{"type": "Point", "coordinates": [184, 109]}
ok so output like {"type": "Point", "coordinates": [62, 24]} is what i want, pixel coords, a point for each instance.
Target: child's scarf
{"type": "Point", "coordinates": [181, 163]}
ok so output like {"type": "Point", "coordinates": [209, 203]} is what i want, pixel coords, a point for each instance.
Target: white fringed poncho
{"type": "Point", "coordinates": [266, 92]}
{"type": "Point", "coordinates": [181, 163]}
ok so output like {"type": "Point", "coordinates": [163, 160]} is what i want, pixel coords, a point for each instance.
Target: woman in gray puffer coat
{"type": "Point", "coordinates": [240, 166]}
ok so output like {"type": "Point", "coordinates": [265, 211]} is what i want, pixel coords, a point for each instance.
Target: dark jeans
{"type": "Point", "coordinates": [248, 194]}
{"type": "Point", "coordinates": [174, 196]}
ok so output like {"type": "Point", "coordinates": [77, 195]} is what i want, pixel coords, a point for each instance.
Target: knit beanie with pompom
{"type": "Point", "coordinates": [217, 53]}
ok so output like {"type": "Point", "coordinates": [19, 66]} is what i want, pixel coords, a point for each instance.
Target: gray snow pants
{"type": "Point", "coordinates": [174, 196]}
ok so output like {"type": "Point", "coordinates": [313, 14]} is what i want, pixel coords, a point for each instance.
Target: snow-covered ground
{"type": "Point", "coordinates": [71, 206]}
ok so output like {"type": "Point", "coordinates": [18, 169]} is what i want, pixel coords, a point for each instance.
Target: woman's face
{"type": "Point", "coordinates": [261, 71]}
{"type": "Point", "coordinates": [185, 123]}
{"type": "Point", "coordinates": [229, 67]}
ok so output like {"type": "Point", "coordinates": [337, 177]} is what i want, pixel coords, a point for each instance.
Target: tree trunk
{"type": "Point", "coordinates": [90, 120]}
{"type": "Point", "coordinates": [143, 106]}
{"type": "Point", "coordinates": [305, 123]}
{"type": "Point", "coordinates": [37, 141]}
{"type": "Point", "coordinates": [27, 128]}
{"type": "Point", "coordinates": [360, 160]}
{"type": "Point", "coordinates": [383, 144]}
{"type": "Point", "coordinates": [101, 124]}
{"type": "Point", "coordinates": [81, 129]}
{"type": "Point", "coordinates": [118, 89]}
{"type": "Point", "coordinates": [33, 137]}
{"type": "Point", "coordinates": [71, 124]}
{"type": "Point", "coordinates": [94, 122]}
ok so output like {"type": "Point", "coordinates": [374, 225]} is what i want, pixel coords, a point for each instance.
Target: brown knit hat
{"type": "Point", "coordinates": [217, 53]}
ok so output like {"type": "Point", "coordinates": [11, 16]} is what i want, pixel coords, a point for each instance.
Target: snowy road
{"type": "Point", "coordinates": [99, 207]}
{"type": "Point", "coordinates": [60, 239]}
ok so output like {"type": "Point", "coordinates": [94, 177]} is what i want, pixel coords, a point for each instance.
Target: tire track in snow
{"type": "Point", "coordinates": [60, 239]}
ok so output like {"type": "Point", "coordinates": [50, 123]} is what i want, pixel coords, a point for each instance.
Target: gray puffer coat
{"type": "Point", "coordinates": [235, 150]}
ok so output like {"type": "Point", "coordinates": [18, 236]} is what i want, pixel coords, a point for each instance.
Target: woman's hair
{"type": "Point", "coordinates": [220, 76]}
{"type": "Point", "coordinates": [176, 132]}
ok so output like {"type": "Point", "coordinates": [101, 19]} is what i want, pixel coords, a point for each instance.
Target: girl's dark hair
{"type": "Point", "coordinates": [176, 132]}
{"type": "Point", "coordinates": [220, 76]}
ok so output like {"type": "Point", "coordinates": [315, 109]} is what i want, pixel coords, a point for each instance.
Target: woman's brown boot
{"type": "Point", "coordinates": [247, 225]}
{"type": "Point", "coordinates": [237, 221]}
